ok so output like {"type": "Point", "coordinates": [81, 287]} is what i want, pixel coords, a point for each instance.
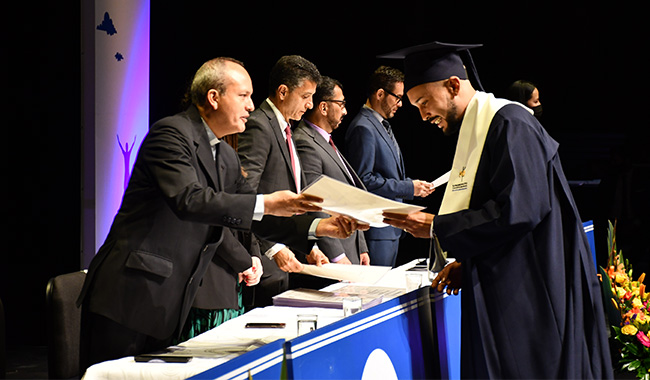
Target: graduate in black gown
{"type": "Point", "coordinates": [531, 301]}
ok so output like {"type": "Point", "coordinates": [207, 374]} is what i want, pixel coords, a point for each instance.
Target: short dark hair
{"type": "Point", "coordinates": [211, 75]}
{"type": "Point", "coordinates": [324, 91]}
{"type": "Point", "coordinates": [384, 77]}
{"type": "Point", "coordinates": [292, 70]}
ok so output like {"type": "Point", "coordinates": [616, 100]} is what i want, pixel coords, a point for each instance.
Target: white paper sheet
{"type": "Point", "coordinates": [341, 198]}
{"type": "Point", "coordinates": [441, 180]}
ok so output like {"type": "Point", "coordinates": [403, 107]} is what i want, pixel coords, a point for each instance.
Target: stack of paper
{"type": "Point", "coordinates": [370, 296]}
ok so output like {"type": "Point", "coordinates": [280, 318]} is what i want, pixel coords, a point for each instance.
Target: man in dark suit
{"type": "Point", "coordinates": [320, 156]}
{"type": "Point", "coordinates": [269, 157]}
{"type": "Point", "coordinates": [143, 280]}
{"type": "Point", "coordinates": [374, 153]}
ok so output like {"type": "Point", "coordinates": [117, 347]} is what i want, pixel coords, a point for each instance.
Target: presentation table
{"type": "Point", "coordinates": [415, 335]}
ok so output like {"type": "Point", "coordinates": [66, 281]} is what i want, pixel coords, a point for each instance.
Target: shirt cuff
{"type": "Point", "coordinates": [258, 211]}
{"type": "Point", "coordinates": [311, 235]}
{"type": "Point", "coordinates": [273, 250]}
{"type": "Point", "coordinates": [338, 258]}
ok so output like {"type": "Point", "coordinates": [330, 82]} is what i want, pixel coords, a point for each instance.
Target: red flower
{"type": "Point", "coordinates": [643, 338]}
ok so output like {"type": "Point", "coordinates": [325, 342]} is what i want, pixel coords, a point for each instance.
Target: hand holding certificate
{"type": "Point", "coordinates": [442, 179]}
{"type": "Point", "coordinates": [417, 224]}
{"type": "Point", "coordinates": [341, 198]}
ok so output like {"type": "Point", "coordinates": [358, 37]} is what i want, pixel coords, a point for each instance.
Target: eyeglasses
{"type": "Point", "coordinates": [341, 103]}
{"type": "Point", "coordinates": [399, 98]}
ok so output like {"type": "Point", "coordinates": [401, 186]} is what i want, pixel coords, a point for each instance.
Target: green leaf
{"type": "Point", "coordinates": [613, 314]}
{"type": "Point", "coordinates": [634, 365]}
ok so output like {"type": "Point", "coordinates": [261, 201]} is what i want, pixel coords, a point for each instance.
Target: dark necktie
{"type": "Point", "coordinates": [287, 130]}
{"type": "Point", "coordinates": [391, 135]}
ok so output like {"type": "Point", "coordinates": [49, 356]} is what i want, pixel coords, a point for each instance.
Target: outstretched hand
{"type": "Point", "coordinates": [317, 257]}
{"type": "Point", "coordinates": [422, 188]}
{"type": "Point", "coordinates": [287, 261]}
{"type": "Point", "coordinates": [417, 224]}
{"type": "Point", "coordinates": [340, 227]}
{"type": "Point", "coordinates": [288, 203]}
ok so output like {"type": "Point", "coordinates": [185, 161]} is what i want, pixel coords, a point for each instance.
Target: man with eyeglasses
{"type": "Point", "coordinates": [374, 153]}
{"type": "Point", "coordinates": [320, 156]}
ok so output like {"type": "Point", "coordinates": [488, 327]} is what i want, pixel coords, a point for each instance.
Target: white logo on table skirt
{"type": "Point", "coordinates": [378, 366]}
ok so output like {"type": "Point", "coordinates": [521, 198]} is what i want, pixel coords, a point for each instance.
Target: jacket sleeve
{"type": "Point", "coordinates": [233, 252]}
{"type": "Point", "coordinates": [169, 156]}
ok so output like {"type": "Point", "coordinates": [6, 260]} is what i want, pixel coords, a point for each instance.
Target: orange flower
{"type": "Point", "coordinates": [610, 271]}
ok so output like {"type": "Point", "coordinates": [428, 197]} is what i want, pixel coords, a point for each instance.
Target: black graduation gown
{"type": "Point", "coordinates": [531, 301]}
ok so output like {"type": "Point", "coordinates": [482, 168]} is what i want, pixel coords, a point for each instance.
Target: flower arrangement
{"type": "Point", "coordinates": [627, 310]}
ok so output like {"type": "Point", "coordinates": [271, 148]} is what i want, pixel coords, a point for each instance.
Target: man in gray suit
{"type": "Point", "coordinates": [320, 156]}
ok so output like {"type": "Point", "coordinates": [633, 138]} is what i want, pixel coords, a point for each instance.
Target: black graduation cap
{"type": "Point", "coordinates": [436, 61]}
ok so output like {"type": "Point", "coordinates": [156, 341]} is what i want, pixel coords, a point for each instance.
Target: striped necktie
{"type": "Point", "coordinates": [389, 129]}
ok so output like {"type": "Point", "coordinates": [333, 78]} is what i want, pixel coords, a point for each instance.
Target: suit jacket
{"type": "Point", "coordinates": [379, 164]}
{"type": "Point", "coordinates": [318, 157]}
{"type": "Point", "coordinates": [218, 288]}
{"type": "Point", "coordinates": [265, 157]}
{"type": "Point", "coordinates": [168, 228]}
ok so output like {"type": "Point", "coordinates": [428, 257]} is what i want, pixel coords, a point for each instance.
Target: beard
{"type": "Point", "coordinates": [453, 121]}
{"type": "Point", "coordinates": [387, 109]}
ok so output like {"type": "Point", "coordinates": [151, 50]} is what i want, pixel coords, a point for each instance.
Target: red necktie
{"type": "Point", "coordinates": [293, 161]}
{"type": "Point", "coordinates": [333, 146]}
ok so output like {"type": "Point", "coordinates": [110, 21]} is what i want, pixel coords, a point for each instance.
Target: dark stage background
{"type": "Point", "coordinates": [586, 60]}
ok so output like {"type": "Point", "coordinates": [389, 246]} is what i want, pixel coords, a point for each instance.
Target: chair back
{"type": "Point", "coordinates": [64, 324]}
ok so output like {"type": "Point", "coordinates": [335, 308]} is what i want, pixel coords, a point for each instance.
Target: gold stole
{"type": "Point", "coordinates": [473, 131]}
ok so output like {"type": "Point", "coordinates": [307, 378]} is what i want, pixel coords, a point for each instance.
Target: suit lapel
{"type": "Point", "coordinates": [202, 146]}
{"type": "Point", "coordinates": [282, 143]}
{"type": "Point", "coordinates": [275, 125]}
{"type": "Point", "coordinates": [389, 142]}
{"type": "Point", "coordinates": [325, 145]}
{"type": "Point", "coordinates": [355, 178]}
